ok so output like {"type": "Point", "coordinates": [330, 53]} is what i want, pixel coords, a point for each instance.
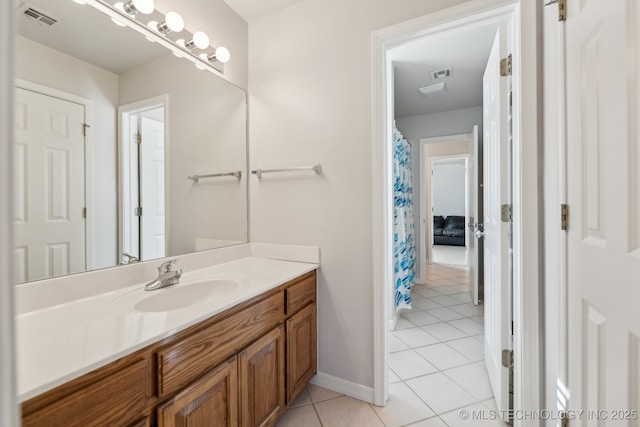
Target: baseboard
{"type": "Point", "coordinates": [348, 388]}
{"type": "Point", "coordinates": [393, 322]}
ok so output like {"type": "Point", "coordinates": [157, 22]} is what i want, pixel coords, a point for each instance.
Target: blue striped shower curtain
{"type": "Point", "coordinates": [404, 248]}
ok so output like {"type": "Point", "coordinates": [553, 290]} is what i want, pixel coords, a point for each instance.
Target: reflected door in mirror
{"type": "Point", "coordinates": [143, 181]}
{"type": "Point", "coordinates": [50, 192]}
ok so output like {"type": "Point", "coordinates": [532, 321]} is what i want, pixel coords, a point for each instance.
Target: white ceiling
{"type": "Point", "coordinates": [252, 9]}
{"type": "Point", "coordinates": [466, 51]}
{"type": "Point", "coordinates": [87, 34]}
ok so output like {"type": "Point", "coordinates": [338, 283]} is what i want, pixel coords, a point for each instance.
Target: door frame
{"type": "Point", "coordinates": [88, 158]}
{"type": "Point", "coordinates": [526, 316]}
{"type": "Point", "coordinates": [426, 216]}
{"type": "Point", "coordinates": [429, 199]}
{"type": "Point", "coordinates": [9, 410]}
{"type": "Point", "coordinates": [123, 127]}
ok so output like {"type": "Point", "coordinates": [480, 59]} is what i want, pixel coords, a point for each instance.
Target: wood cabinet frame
{"type": "Point", "coordinates": [153, 385]}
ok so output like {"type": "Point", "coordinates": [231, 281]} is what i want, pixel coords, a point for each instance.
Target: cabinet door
{"type": "Point", "coordinates": [301, 350]}
{"type": "Point", "coordinates": [262, 380]}
{"type": "Point", "coordinates": [210, 402]}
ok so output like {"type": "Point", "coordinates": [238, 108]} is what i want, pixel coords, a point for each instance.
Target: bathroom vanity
{"type": "Point", "coordinates": [237, 355]}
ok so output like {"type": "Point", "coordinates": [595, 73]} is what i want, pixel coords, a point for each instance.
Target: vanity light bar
{"type": "Point", "coordinates": [188, 46]}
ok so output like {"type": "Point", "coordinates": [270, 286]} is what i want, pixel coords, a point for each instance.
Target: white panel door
{"type": "Point", "coordinates": [473, 219]}
{"type": "Point", "coordinates": [49, 172]}
{"type": "Point", "coordinates": [497, 281]}
{"type": "Point", "coordinates": [603, 171]}
{"type": "Point", "coordinates": [152, 188]}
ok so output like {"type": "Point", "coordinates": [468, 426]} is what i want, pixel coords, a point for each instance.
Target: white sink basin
{"type": "Point", "coordinates": [180, 296]}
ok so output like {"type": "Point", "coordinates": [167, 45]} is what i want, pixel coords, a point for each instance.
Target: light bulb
{"type": "Point", "coordinates": [118, 23]}
{"type": "Point", "coordinates": [201, 40]}
{"type": "Point", "coordinates": [175, 22]}
{"type": "Point", "coordinates": [80, 1]}
{"type": "Point", "coordinates": [200, 67]}
{"type": "Point", "coordinates": [144, 6]}
{"type": "Point", "coordinates": [222, 54]}
{"type": "Point", "coordinates": [152, 24]}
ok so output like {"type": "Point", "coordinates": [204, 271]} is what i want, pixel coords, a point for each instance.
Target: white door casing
{"type": "Point", "coordinates": [49, 175]}
{"type": "Point", "coordinates": [143, 172]}
{"type": "Point", "coordinates": [473, 218]}
{"type": "Point", "coordinates": [497, 283]}
{"type": "Point", "coordinates": [130, 187]}
{"type": "Point", "coordinates": [603, 193]}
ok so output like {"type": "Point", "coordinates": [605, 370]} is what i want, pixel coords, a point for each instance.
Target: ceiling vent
{"type": "Point", "coordinates": [36, 15]}
{"type": "Point", "coordinates": [441, 74]}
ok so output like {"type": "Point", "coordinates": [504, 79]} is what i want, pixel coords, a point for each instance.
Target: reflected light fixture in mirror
{"type": "Point", "coordinates": [145, 7]}
{"type": "Point", "coordinates": [199, 40]}
{"type": "Point", "coordinates": [172, 22]}
{"type": "Point", "coordinates": [222, 54]}
{"type": "Point", "coordinates": [169, 30]}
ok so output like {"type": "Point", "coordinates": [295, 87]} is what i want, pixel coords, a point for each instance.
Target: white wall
{"type": "Point", "coordinates": [310, 101]}
{"type": "Point", "coordinates": [207, 134]}
{"type": "Point", "coordinates": [40, 64]}
{"type": "Point", "coordinates": [439, 124]}
{"type": "Point", "coordinates": [448, 189]}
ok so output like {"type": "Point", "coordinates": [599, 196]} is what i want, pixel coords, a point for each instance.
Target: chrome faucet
{"type": "Point", "coordinates": [167, 276]}
{"type": "Point", "coordinates": [128, 259]}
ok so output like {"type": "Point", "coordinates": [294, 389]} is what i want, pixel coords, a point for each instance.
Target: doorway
{"type": "Point", "coordinates": [449, 210]}
{"type": "Point", "coordinates": [526, 351]}
{"type": "Point", "coordinates": [143, 150]}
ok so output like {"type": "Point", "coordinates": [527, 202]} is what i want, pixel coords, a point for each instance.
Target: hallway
{"type": "Point", "coordinates": [436, 366]}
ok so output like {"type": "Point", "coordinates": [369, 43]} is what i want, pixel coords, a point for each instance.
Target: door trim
{"type": "Point", "coordinates": [9, 410]}
{"type": "Point", "coordinates": [88, 158]}
{"type": "Point", "coordinates": [130, 108]}
{"type": "Point", "coordinates": [526, 210]}
{"type": "Point", "coordinates": [426, 217]}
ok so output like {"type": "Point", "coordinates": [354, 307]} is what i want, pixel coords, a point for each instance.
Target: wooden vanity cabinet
{"type": "Point", "coordinates": [262, 376]}
{"type": "Point", "coordinates": [301, 350]}
{"type": "Point", "coordinates": [212, 401]}
{"type": "Point", "coordinates": [241, 367]}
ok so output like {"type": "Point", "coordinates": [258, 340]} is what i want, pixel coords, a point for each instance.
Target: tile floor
{"type": "Point", "coordinates": [452, 255]}
{"type": "Point", "coordinates": [436, 366]}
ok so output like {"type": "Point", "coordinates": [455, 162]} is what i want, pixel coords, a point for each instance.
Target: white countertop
{"type": "Point", "coordinates": [59, 343]}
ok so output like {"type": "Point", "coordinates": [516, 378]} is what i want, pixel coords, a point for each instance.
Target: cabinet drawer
{"type": "Point", "coordinates": [301, 294]}
{"type": "Point", "coordinates": [186, 360]}
{"type": "Point", "coordinates": [101, 403]}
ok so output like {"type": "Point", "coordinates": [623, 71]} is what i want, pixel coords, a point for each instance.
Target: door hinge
{"type": "Point", "coordinates": [506, 213]}
{"type": "Point", "coordinates": [507, 358]}
{"type": "Point", "coordinates": [137, 211]}
{"type": "Point", "coordinates": [564, 217]}
{"type": "Point", "coordinates": [84, 129]}
{"type": "Point", "coordinates": [506, 66]}
{"type": "Point", "coordinates": [562, 8]}
{"type": "Point", "coordinates": [139, 138]}
{"type": "Point", "coordinates": [84, 212]}
{"type": "Point", "coordinates": [564, 419]}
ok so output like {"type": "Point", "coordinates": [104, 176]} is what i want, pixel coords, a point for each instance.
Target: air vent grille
{"type": "Point", "coordinates": [41, 18]}
{"type": "Point", "coordinates": [441, 74]}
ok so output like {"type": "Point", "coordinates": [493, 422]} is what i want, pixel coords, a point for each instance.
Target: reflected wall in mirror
{"type": "Point", "coordinates": [109, 126]}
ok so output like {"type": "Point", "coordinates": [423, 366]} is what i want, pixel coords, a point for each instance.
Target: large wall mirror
{"type": "Point", "coordinates": [110, 130]}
